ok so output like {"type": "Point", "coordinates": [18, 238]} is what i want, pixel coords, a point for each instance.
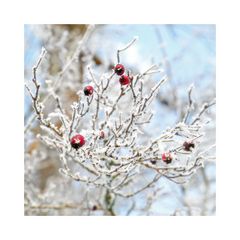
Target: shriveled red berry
{"type": "Point", "coordinates": [188, 146]}
{"type": "Point", "coordinates": [101, 135]}
{"type": "Point", "coordinates": [124, 80]}
{"type": "Point", "coordinates": [88, 90]}
{"type": "Point", "coordinates": [77, 141]}
{"type": "Point", "coordinates": [119, 69]}
{"type": "Point", "coordinates": [167, 157]}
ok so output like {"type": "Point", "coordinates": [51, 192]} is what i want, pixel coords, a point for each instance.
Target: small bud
{"type": "Point", "coordinates": [153, 161]}
{"type": "Point", "coordinates": [94, 208]}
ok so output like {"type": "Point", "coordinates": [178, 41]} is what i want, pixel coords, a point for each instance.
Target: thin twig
{"type": "Point", "coordinates": [125, 48]}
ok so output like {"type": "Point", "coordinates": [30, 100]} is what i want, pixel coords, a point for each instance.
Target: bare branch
{"type": "Point", "coordinates": [125, 48]}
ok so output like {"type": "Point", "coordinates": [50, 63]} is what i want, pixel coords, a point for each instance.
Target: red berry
{"type": "Point", "coordinates": [119, 69]}
{"type": "Point", "coordinates": [188, 146]}
{"type": "Point", "coordinates": [124, 80]}
{"type": "Point", "coordinates": [77, 141]}
{"type": "Point", "coordinates": [167, 157]}
{"type": "Point", "coordinates": [88, 90]}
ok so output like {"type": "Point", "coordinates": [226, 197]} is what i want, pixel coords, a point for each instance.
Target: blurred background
{"type": "Point", "coordinates": [187, 55]}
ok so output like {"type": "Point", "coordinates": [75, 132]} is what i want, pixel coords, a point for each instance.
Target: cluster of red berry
{"type": "Point", "coordinates": [119, 69]}
{"type": "Point", "coordinates": [78, 140]}
{"type": "Point", "coordinates": [124, 79]}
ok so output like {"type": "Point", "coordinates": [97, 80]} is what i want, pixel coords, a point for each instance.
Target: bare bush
{"type": "Point", "coordinates": [116, 157]}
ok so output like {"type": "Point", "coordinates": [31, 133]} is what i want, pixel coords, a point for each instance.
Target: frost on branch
{"type": "Point", "coordinates": [110, 115]}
